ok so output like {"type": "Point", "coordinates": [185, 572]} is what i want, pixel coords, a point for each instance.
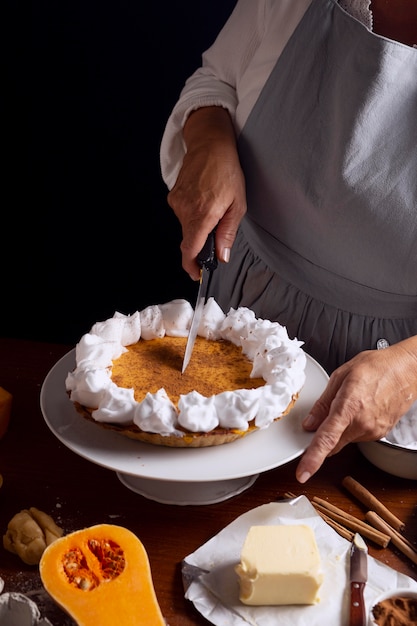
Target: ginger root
{"type": "Point", "coordinates": [29, 533]}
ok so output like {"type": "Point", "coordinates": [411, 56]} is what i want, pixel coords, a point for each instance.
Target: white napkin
{"type": "Point", "coordinates": [404, 432]}
{"type": "Point", "coordinates": [16, 609]}
{"type": "Point", "coordinates": [215, 590]}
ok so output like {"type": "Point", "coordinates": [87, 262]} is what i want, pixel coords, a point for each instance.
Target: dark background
{"type": "Point", "coordinates": [85, 226]}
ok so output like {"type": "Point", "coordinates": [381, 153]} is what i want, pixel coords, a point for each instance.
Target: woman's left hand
{"type": "Point", "coordinates": [363, 400]}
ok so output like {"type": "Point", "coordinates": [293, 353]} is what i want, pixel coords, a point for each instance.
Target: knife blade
{"type": "Point", "coordinates": [208, 263]}
{"type": "Point", "coordinates": [358, 578]}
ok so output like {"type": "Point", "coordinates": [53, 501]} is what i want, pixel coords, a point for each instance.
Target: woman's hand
{"type": "Point", "coordinates": [363, 401]}
{"type": "Point", "coordinates": [210, 188]}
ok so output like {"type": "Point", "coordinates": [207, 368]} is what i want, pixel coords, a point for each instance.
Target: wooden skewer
{"type": "Point", "coordinates": [380, 538]}
{"type": "Point", "coordinates": [399, 542]}
{"type": "Point", "coordinates": [369, 500]}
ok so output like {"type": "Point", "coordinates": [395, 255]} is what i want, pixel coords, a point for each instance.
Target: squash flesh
{"type": "Point", "coordinates": [101, 575]}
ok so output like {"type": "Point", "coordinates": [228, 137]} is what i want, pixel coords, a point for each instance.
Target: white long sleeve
{"type": "Point", "coordinates": [234, 70]}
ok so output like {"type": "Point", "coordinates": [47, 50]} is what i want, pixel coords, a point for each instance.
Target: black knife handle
{"type": "Point", "coordinates": [207, 256]}
{"type": "Point", "coordinates": [357, 605]}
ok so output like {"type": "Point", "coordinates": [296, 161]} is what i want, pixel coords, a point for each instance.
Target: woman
{"type": "Point", "coordinates": [297, 140]}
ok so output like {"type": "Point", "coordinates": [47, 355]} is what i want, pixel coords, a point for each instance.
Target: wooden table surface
{"type": "Point", "coordinates": [38, 470]}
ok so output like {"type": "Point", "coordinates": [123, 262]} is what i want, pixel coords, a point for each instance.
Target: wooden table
{"type": "Point", "coordinates": [40, 471]}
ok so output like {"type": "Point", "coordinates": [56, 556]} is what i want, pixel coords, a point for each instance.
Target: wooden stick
{"type": "Point", "coordinates": [398, 541]}
{"type": "Point", "coordinates": [378, 537]}
{"type": "Point", "coordinates": [369, 500]}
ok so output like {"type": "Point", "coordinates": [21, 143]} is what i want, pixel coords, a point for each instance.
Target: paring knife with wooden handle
{"type": "Point", "coordinates": [358, 578]}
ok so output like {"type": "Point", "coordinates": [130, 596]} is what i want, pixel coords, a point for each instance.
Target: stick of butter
{"type": "Point", "coordinates": [279, 565]}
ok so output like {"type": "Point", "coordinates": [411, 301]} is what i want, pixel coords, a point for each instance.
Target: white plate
{"type": "Point", "coordinates": [259, 452]}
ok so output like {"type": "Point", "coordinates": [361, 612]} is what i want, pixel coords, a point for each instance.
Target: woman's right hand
{"type": "Point", "coordinates": [210, 188]}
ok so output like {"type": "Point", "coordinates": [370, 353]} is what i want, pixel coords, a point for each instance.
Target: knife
{"type": "Point", "coordinates": [208, 262]}
{"type": "Point", "coordinates": [358, 578]}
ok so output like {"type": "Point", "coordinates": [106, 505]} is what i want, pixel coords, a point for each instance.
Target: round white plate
{"type": "Point", "coordinates": [190, 469]}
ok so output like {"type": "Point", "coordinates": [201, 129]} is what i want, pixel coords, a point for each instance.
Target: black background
{"type": "Point", "coordinates": [85, 226]}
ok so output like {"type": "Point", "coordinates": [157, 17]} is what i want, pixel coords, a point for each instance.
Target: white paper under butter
{"type": "Point", "coordinates": [211, 582]}
{"type": "Point", "coordinates": [279, 564]}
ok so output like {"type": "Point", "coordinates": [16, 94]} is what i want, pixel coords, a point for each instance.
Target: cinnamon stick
{"type": "Point", "coordinates": [370, 501]}
{"type": "Point", "coordinates": [353, 523]}
{"type": "Point", "coordinates": [404, 539]}
{"type": "Point", "coordinates": [289, 494]}
{"type": "Point", "coordinates": [399, 542]}
{"type": "Point", "coordinates": [339, 528]}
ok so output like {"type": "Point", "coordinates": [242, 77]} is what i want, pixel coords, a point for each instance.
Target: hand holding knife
{"type": "Point", "coordinates": [208, 263]}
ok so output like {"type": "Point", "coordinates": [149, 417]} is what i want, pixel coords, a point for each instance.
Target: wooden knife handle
{"type": "Point", "coordinates": [357, 605]}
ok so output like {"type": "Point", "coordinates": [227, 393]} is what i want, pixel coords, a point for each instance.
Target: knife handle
{"type": "Point", "coordinates": [357, 605]}
{"type": "Point", "coordinates": [207, 256]}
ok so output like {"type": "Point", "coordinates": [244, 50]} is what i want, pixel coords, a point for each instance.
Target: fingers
{"type": "Point", "coordinates": [223, 208]}
{"type": "Point", "coordinates": [329, 439]}
{"type": "Point", "coordinates": [337, 418]}
{"type": "Point", "coordinates": [226, 231]}
{"type": "Point", "coordinates": [192, 243]}
{"type": "Point", "coordinates": [331, 418]}
{"type": "Point", "coordinates": [195, 236]}
{"type": "Point", "coordinates": [362, 402]}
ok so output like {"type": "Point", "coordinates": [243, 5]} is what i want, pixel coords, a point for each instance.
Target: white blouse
{"type": "Point", "coordinates": [234, 69]}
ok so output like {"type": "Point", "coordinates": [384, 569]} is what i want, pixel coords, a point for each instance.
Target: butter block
{"type": "Point", "coordinates": [279, 565]}
{"type": "Point", "coordinates": [5, 410]}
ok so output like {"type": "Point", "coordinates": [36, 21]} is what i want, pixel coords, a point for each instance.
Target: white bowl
{"type": "Point", "coordinates": [405, 592]}
{"type": "Point", "coordinates": [391, 457]}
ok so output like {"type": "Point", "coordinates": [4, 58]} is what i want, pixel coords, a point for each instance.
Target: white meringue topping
{"type": "Point", "coordinates": [278, 359]}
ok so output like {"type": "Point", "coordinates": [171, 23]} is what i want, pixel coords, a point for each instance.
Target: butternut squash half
{"type": "Point", "coordinates": [101, 576]}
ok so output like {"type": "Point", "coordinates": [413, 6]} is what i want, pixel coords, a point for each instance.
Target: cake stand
{"type": "Point", "coordinates": [183, 476]}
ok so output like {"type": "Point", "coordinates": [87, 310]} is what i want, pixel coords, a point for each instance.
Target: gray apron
{"type": "Point", "coordinates": [329, 244]}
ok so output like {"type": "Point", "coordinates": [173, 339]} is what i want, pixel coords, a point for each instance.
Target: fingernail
{"type": "Point", "coordinates": [308, 421]}
{"type": "Point", "coordinates": [303, 478]}
{"type": "Point", "coordinates": [225, 255]}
